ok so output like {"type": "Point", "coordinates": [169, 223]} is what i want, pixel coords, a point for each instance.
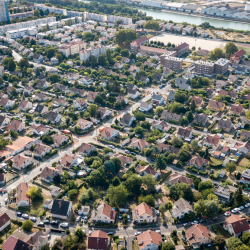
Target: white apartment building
{"type": "Point", "coordinates": [114, 19]}
{"type": "Point", "coordinates": [65, 49]}
{"type": "Point", "coordinates": [4, 13]}
{"type": "Point", "coordinates": [93, 51]}
{"type": "Point", "coordinates": [157, 4]}
{"type": "Point", "coordinates": [14, 34]}
{"type": "Point", "coordinates": [96, 17]}
{"type": "Point", "coordinates": [51, 9]}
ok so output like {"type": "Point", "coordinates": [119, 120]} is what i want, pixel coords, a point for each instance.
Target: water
{"type": "Point", "coordinates": [197, 20]}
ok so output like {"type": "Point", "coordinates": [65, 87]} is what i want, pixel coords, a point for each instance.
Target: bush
{"type": "Point", "coordinates": [42, 213]}
{"type": "Point", "coordinates": [214, 229]}
{"type": "Point", "coordinates": [28, 225]}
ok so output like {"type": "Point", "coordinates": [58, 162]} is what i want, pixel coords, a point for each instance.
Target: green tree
{"type": "Point", "coordinates": [92, 109]}
{"type": "Point", "coordinates": [168, 246]}
{"type": "Point", "coordinates": [133, 184]}
{"type": "Point", "coordinates": [151, 24]}
{"type": "Point", "coordinates": [219, 241]}
{"type": "Point", "coordinates": [72, 194]}
{"type": "Point", "coordinates": [230, 167]}
{"type": "Point", "coordinates": [194, 145]}
{"type": "Point", "coordinates": [170, 158]}
{"type": "Point", "coordinates": [189, 116]}
{"type": "Point", "coordinates": [208, 208]}
{"type": "Point", "coordinates": [230, 48]}
{"type": "Point", "coordinates": [125, 36]}
{"type": "Point", "coordinates": [176, 142]}
{"type": "Point", "coordinates": [124, 52]}
{"type": "Point", "coordinates": [150, 182]}
{"type": "Point", "coordinates": [234, 243]}
{"type": "Point", "coordinates": [28, 225]}
{"type": "Point", "coordinates": [181, 190]}
{"type": "Point", "coordinates": [184, 153]}
{"type": "Point", "coordinates": [102, 60]}
{"type": "Point", "coordinates": [117, 196]}
{"type": "Point", "coordinates": [116, 181]}
{"type": "Point", "coordinates": [118, 163]}
{"type": "Point", "coordinates": [192, 106]}
{"type": "Point", "coordinates": [109, 168]}
{"type": "Point", "coordinates": [149, 199]}
{"type": "Point", "coordinates": [50, 52]}
{"type": "Point", "coordinates": [217, 53]}
{"type": "Point", "coordinates": [205, 185]}
{"type": "Point", "coordinates": [238, 196]}
{"type": "Point", "coordinates": [160, 162]}
{"type": "Point", "coordinates": [35, 193]}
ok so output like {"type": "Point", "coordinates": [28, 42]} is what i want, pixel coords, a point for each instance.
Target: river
{"type": "Point", "coordinates": [197, 20]}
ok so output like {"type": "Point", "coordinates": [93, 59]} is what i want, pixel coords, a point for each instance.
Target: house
{"type": "Point", "coordinates": [171, 96]}
{"type": "Point", "coordinates": [54, 190]}
{"type": "Point", "coordinates": [181, 208]}
{"type": "Point", "coordinates": [149, 240]}
{"type": "Point", "coordinates": [13, 243]}
{"type": "Point", "coordinates": [212, 141]}
{"type": "Point", "coordinates": [41, 109]}
{"type": "Point", "coordinates": [189, 75]}
{"type": "Point", "coordinates": [139, 144]}
{"type": "Point", "coordinates": [39, 129]}
{"type": "Point", "coordinates": [226, 150]}
{"type": "Point", "coordinates": [38, 58]}
{"type": "Point", "coordinates": [86, 148]}
{"type": "Point", "coordinates": [4, 121]}
{"type": "Point", "coordinates": [233, 78]}
{"type": "Point", "coordinates": [144, 79]}
{"type": "Point", "coordinates": [244, 148]}
{"type": "Point", "coordinates": [4, 221]}
{"type": "Point", "coordinates": [60, 102]}
{"type": "Point", "coordinates": [244, 135]}
{"type": "Point", "coordinates": [103, 213]}
{"type": "Point", "coordinates": [28, 90]}
{"type": "Point", "coordinates": [198, 235]}
{"type": "Point", "coordinates": [41, 97]}
{"type": "Point", "coordinates": [210, 92]}
{"type": "Point", "coordinates": [22, 199]}
{"type": "Point", "coordinates": [157, 99]}
{"type": "Point", "coordinates": [17, 125]}
{"type": "Point", "coordinates": [48, 203]}
{"type": "Point", "coordinates": [134, 68]}
{"type": "Point", "coordinates": [162, 126]}
{"type": "Point", "coordinates": [41, 150]}
{"type": "Point", "coordinates": [104, 112]}
{"type": "Point", "coordinates": [198, 101]}
{"type": "Point", "coordinates": [157, 77]}
{"type": "Point", "coordinates": [198, 162]}
{"type": "Point", "coordinates": [145, 107]}
{"type": "Point", "coordinates": [202, 119]}
{"type": "Point", "coordinates": [185, 133]}
{"type": "Point", "coordinates": [144, 212]}
{"type": "Point", "coordinates": [61, 209]}
{"type": "Point", "coordinates": [125, 160]}
{"type": "Point", "coordinates": [225, 124]}
{"type": "Point", "coordinates": [118, 65]}
{"type": "Point", "coordinates": [222, 174]}
{"type": "Point", "coordinates": [236, 109]}
{"type": "Point", "coordinates": [85, 80]}
{"type": "Point", "coordinates": [169, 116]}
{"type": "Point", "coordinates": [127, 120]}
{"type": "Point", "coordinates": [131, 86]}
{"type": "Point", "coordinates": [6, 103]}
{"type": "Point", "coordinates": [122, 99]}
{"type": "Point", "coordinates": [182, 84]}
{"type": "Point", "coordinates": [164, 147]}
{"type": "Point", "coordinates": [2, 178]}
{"type": "Point", "coordinates": [49, 173]}
{"type": "Point", "coordinates": [42, 84]}
{"type": "Point", "coordinates": [216, 106]}
{"type": "Point", "coordinates": [91, 96]}
{"type": "Point", "coordinates": [84, 124]}
{"type": "Point", "coordinates": [20, 162]}
{"type": "Point", "coordinates": [236, 225]}
{"type": "Point", "coordinates": [177, 178]}
{"type": "Point", "coordinates": [223, 193]}
{"type": "Point", "coordinates": [70, 160]}
{"type": "Point", "coordinates": [80, 104]}
{"type": "Point", "coordinates": [84, 210]}
{"type": "Point", "coordinates": [145, 170]}
{"type": "Point", "coordinates": [54, 117]}
{"type": "Point", "coordinates": [237, 57]}
{"type": "Point", "coordinates": [24, 105]}
{"type": "Point", "coordinates": [133, 93]}
{"type": "Point", "coordinates": [98, 240]}
{"type": "Point", "coordinates": [109, 133]}
{"type": "Point", "coordinates": [59, 139]}
{"type": "Point", "coordinates": [136, 44]}
{"type": "Point", "coordinates": [245, 177]}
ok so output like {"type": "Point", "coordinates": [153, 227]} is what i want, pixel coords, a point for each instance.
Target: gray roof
{"type": "Point", "coordinates": [157, 97]}
{"type": "Point", "coordinates": [126, 119]}
{"type": "Point", "coordinates": [171, 95]}
{"type": "Point", "coordinates": [182, 204]}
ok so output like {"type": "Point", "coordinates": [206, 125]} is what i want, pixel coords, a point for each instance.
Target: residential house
{"type": "Point", "coordinates": [157, 77]}
{"type": "Point", "coordinates": [70, 160]}
{"type": "Point", "coordinates": [109, 133]}
{"type": "Point", "coordinates": [59, 139]}
{"type": "Point", "coordinates": [133, 93]}
{"type": "Point", "coordinates": [144, 79]}
{"type": "Point", "coordinates": [91, 96]}
{"type": "Point", "coordinates": [98, 240]}
{"type": "Point", "coordinates": [4, 121]}
{"type": "Point", "coordinates": [42, 84]}
{"type": "Point", "coordinates": [28, 90]}
{"type": "Point", "coordinates": [41, 97]}
{"type": "Point", "coordinates": [22, 199]}
{"type": "Point", "coordinates": [147, 170]}
{"type": "Point", "coordinates": [60, 102]}
{"type": "Point", "coordinates": [162, 147]}
{"type": "Point", "coordinates": [181, 208]}
{"type": "Point", "coordinates": [149, 240]}
{"type": "Point", "coordinates": [13, 243]}
{"type": "Point", "coordinates": [144, 212]}
{"type": "Point", "coordinates": [145, 107]}
{"type": "Point", "coordinates": [131, 86]}
{"type": "Point", "coordinates": [61, 209]}
{"type": "Point", "coordinates": [103, 213]}
{"type": "Point", "coordinates": [225, 124]}
{"type": "Point", "coordinates": [223, 193]}
{"type": "Point", "coordinates": [245, 177]}
{"type": "Point", "coordinates": [157, 99]}
{"type": "Point", "coordinates": [216, 106]}
{"type": "Point", "coordinates": [17, 125]}
{"type": "Point", "coordinates": [198, 101]}
{"type": "Point", "coordinates": [198, 235]}
{"type": "Point", "coordinates": [41, 109]}
{"type": "Point", "coordinates": [139, 144]}
{"type": "Point", "coordinates": [86, 148]}
{"type": "Point", "coordinates": [202, 119]}
{"type": "Point", "coordinates": [80, 104]}
{"type": "Point", "coordinates": [125, 160]}
{"type": "Point", "coordinates": [20, 162]}
{"type": "Point", "coordinates": [171, 96]}
{"type": "Point", "coordinates": [236, 225]}
{"type": "Point", "coordinates": [244, 135]}
{"type": "Point", "coordinates": [84, 124]}
{"type": "Point", "coordinates": [162, 126]}
{"type": "Point", "coordinates": [54, 117]}
{"type": "Point", "coordinates": [182, 84]}
{"type": "Point", "coordinates": [41, 150]}
{"type": "Point", "coordinates": [212, 141]}
{"type": "Point", "coordinates": [169, 116]}
{"type": "Point", "coordinates": [4, 221]}
{"type": "Point", "coordinates": [49, 173]}
{"type": "Point", "coordinates": [189, 75]}
{"type": "Point", "coordinates": [85, 80]}
{"type": "Point", "coordinates": [118, 65]}
{"type": "Point", "coordinates": [6, 103]}
{"type": "Point", "coordinates": [24, 105]}
{"type": "Point", "coordinates": [104, 112]}
{"type": "Point", "coordinates": [185, 133]}
{"type": "Point", "coordinates": [177, 178]}
{"type": "Point", "coordinates": [121, 99]}
{"type": "Point", "coordinates": [38, 58]}
{"type": "Point", "coordinates": [127, 120]}
{"type": "Point", "coordinates": [84, 210]}
{"type": "Point", "coordinates": [233, 78]}
{"type": "Point", "coordinates": [236, 109]}
{"type": "Point", "coordinates": [39, 129]}
{"type": "Point", "coordinates": [210, 92]}
{"type": "Point", "coordinates": [198, 162]}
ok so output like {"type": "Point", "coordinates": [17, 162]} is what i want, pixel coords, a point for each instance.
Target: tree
{"type": "Point", "coordinates": [124, 52]}
{"type": "Point", "coordinates": [116, 181]}
{"type": "Point", "coordinates": [149, 199]}
{"type": "Point", "coordinates": [176, 142]}
{"type": "Point", "coordinates": [189, 116]}
{"type": "Point", "coordinates": [54, 78]}
{"type": "Point", "coordinates": [50, 52]}
{"type": "Point", "coordinates": [194, 145]}
{"type": "Point", "coordinates": [208, 208]}
{"type": "Point", "coordinates": [192, 106]}
{"type": "Point", "coordinates": [245, 238]}
{"type": "Point", "coordinates": [181, 190]}
{"type": "Point", "coordinates": [205, 185]}
{"type": "Point", "coordinates": [216, 54]}
{"type": "Point", "coordinates": [92, 109]}
{"type": "Point", "coordinates": [72, 194]}
{"type": "Point", "coordinates": [13, 134]}
{"type": "Point", "coordinates": [28, 225]}
{"type": "Point", "coordinates": [59, 56]}
{"type": "Point", "coordinates": [234, 243]}
{"type": "Point", "coordinates": [125, 36]}
{"type": "Point", "coordinates": [151, 24]}
{"type": "Point", "coordinates": [160, 162]}
{"type": "Point", "coordinates": [184, 153]}
{"type": "Point", "coordinates": [230, 167]}
{"type": "Point", "coordinates": [79, 233]}
{"type": "Point", "coordinates": [35, 193]}
{"type": "Point", "coordinates": [102, 60]}
{"type": "Point", "coordinates": [118, 163]}
{"type": "Point", "coordinates": [168, 246]}
{"type": "Point", "coordinates": [133, 184]}
{"type": "Point", "coordinates": [180, 97]}
{"type": "Point", "coordinates": [109, 168]}
{"type": "Point", "coordinates": [150, 182]}
{"type": "Point", "coordinates": [170, 158]}
{"type": "Point", "coordinates": [230, 48]}
{"type": "Point", "coordinates": [117, 196]}
{"type": "Point", "coordinates": [219, 241]}
{"type": "Point", "coordinates": [238, 196]}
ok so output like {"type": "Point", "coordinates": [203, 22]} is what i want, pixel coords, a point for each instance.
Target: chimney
{"type": "Point", "coordinates": [60, 204]}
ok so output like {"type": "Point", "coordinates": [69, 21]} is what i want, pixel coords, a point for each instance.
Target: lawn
{"type": "Point", "coordinates": [223, 232]}
{"type": "Point", "coordinates": [135, 245]}
{"type": "Point", "coordinates": [215, 162]}
{"type": "Point", "coordinates": [244, 162]}
{"type": "Point", "coordinates": [240, 168]}
{"type": "Point", "coordinates": [247, 49]}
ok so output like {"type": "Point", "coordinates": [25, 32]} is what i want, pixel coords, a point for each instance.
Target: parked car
{"type": "Point", "coordinates": [227, 213]}
{"type": "Point", "coordinates": [133, 153]}
{"type": "Point", "coordinates": [64, 224]}
{"type": "Point", "coordinates": [120, 216]}
{"type": "Point", "coordinates": [185, 224]}
{"type": "Point", "coordinates": [127, 152]}
{"type": "Point", "coordinates": [78, 218]}
{"type": "Point", "coordinates": [158, 212]}
{"type": "Point", "coordinates": [235, 210]}
{"type": "Point", "coordinates": [110, 233]}
{"type": "Point", "coordinates": [33, 219]}
{"type": "Point", "coordinates": [54, 222]}
{"type": "Point", "coordinates": [241, 207]}
{"type": "Point", "coordinates": [46, 221]}
{"type": "Point", "coordinates": [40, 224]}
{"type": "Point", "coordinates": [25, 216]}
{"type": "Point", "coordinates": [19, 214]}
{"type": "Point", "coordinates": [137, 233]}
{"type": "Point", "coordinates": [112, 146]}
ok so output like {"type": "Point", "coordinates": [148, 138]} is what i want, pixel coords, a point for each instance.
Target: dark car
{"type": "Point", "coordinates": [46, 222]}
{"type": "Point", "coordinates": [133, 153]}
{"type": "Point", "coordinates": [40, 224]}
{"type": "Point", "coordinates": [54, 222]}
{"type": "Point", "coordinates": [19, 214]}
{"type": "Point", "coordinates": [110, 233]}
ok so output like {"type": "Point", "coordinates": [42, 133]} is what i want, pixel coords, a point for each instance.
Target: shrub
{"type": "Point", "coordinates": [28, 225]}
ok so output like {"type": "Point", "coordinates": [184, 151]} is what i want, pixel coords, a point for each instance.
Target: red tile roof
{"type": "Point", "coordinates": [196, 232]}
{"type": "Point", "coordinates": [98, 240]}
{"type": "Point", "coordinates": [239, 224]}
{"type": "Point", "coordinates": [148, 238]}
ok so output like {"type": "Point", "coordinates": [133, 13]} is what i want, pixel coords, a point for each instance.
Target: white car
{"type": "Point", "coordinates": [25, 216]}
{"type": "Point", "coordinates": [235, 210]}
{"type": "Point", "coordinates": [194, 222]}
{"type": "Point", "coordinates": [112, 146]}
{"type": "Point", "coordinates": [33, 219]}
{"type": "Point", "coordinates": [78, 218]}
{"type": "Point", "coordinates": [247, 205]}
{"type": "Point", "coordinates": [241, 207]}
{"type": "Point", "coordinates": [64, 224]}
{"type": "Point", "coordinates": [227, 213]}
{"type": "Point", "coordinates": [137, 233]}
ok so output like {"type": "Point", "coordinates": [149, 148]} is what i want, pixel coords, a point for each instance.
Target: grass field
{"type": "Point", "coordinates": [247, 49]}
{"type": "Point", "coordinates": [240, 168]}
{"type": "Point", "coordinates": [244, 162]}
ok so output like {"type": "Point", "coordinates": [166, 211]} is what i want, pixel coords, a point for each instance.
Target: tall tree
{"type": "Point", "coordinates": [160, 162]}
{"type": "Point", "coordinates": [238, 196]}
{"type": "Point", "coordinates": [230, 167]}
{"type": "Point", "coordinates": [117, 196]}
{"type": "Point", "coordinates": [230, 48]}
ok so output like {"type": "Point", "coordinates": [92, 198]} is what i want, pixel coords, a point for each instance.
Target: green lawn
{"type": "Point", "coordinates": [247, 49]}
{"type": "Point", "coordinates": [223, 232]}
{"type": "Point", "coordinates": [240, 168]}
{"type": "Point", "coordinates": [215, 161]}
{"type": "Point", "coordinates": [244, 162]}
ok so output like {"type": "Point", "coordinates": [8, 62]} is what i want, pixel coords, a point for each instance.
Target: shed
{"type": "Point", "coordinates": [48, 203]}
{"type": "Point", "coordinates": [222, 173]}
{"type": "Point", "coordinates": [84, 210]}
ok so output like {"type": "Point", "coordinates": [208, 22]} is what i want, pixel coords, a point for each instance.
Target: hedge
{"type": "Point", "coordinates": [97, 145]}
{"type": "Point", "coordinates": [117, 127]}
{"type": "Point", "coordinates": [214, 229]}
{"type": "Point", "coordinates": [132, 149]}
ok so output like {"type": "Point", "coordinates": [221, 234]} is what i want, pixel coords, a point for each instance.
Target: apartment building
{"type": "Point", "coordinates": [14, 34]}
{"type": "Point", "coordinates": [221, 66]}
{"type": "Point", "coordinates": [171, 62]}
{"type": "Point", "coordinates": [181, 49]}
{"type": "Point", "coordinates": [51, 9]}
{"type": "Point", "coordinates": [65, 49]}
{"type": "Point", "coordinates": [204, 68]}
{"type": "Point", "coordinates": [96, 17]}
{"type": "Point", "coordinates": [124, 20]}
{"type": "Point", "coordinates": [21, 15]}
{"type": "Point", "coordinates": [136, 44]}
{"type": "Point", "coordinates": [93, 51]}
{"type": "Point", "coordinates": [4, 13]}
